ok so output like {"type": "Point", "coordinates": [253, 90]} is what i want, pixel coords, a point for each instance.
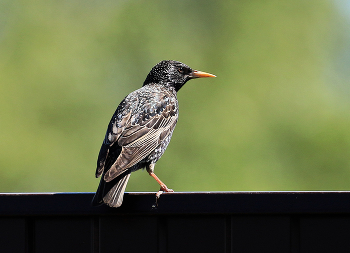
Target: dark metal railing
{"type": "Point", "coordinates": [178, 222]}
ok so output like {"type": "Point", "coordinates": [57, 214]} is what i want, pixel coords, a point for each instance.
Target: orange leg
{"type": "Point", "coordinates": [163, 187]}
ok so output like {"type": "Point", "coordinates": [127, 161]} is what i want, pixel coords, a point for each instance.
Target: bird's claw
{"type": "Point", "coordinates": [158, 194]}
{"type": "Point", "coordinates": [157, 197]}
{"type": "Point", "coordinates": [163, 188]}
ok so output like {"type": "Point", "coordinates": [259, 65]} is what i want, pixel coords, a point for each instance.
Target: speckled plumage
{"type": "Point", "coordinates": [140, 129]}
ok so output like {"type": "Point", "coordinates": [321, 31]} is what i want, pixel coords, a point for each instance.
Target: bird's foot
{"type": "Point", "coordinates": [163, 188]}
{"type": "Point", "coordinates": [157, 198]}
{"type": "Point", "coordinates": [158, 194]}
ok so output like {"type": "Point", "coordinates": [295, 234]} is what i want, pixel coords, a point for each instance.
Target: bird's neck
{"type": "Point", "coordinates": [175, 86]}
{"type": "Point", "coordinates": [172, 87]}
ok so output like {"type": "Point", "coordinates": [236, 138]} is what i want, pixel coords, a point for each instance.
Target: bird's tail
{"type": "Point", "coordinates": [111, 193]}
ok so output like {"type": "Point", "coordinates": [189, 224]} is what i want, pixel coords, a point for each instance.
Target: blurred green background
{"type": "Point", "coordinates": [277, 117]}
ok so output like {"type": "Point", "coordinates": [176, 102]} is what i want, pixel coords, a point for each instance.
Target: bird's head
{"type": "Point", "coordinates": [173, 73]}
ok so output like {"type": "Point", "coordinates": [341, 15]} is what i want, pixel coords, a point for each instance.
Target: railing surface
{"type": "Point", "coordinates": [180, 222]}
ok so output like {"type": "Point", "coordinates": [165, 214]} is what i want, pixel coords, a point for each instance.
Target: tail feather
{"type": "Point", "coordinates": [114, 198]}
{"type": "Point", "coordinates": [111, 193]}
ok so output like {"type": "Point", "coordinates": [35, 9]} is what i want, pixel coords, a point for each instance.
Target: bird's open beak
{"type": "Point", "coordinates": [199, 74]}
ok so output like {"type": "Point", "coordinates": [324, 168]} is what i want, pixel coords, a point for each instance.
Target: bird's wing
{"type": "Point", "coordinates": [136, 129]}
{"type": "Point", "coordinates": [139, 140]}
{"type": "Point", "coordinates": [116, 126]}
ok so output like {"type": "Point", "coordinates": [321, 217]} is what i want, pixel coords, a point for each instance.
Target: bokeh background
{"type": "Point", "coordinates": [277, 117]}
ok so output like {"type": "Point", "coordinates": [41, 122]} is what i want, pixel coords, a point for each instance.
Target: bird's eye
{"type": "Point", "coordinates": [181, 70]}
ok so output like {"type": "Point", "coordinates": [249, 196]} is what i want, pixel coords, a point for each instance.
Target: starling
{"type": "Point", "coordinates": [140, 130]}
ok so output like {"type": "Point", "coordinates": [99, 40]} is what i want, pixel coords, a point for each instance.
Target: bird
{"type": "Point", "coordinates": [140, 130]}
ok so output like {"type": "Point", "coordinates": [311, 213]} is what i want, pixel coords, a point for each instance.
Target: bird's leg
{"type": "Point", "coordinates": [163, 187]}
